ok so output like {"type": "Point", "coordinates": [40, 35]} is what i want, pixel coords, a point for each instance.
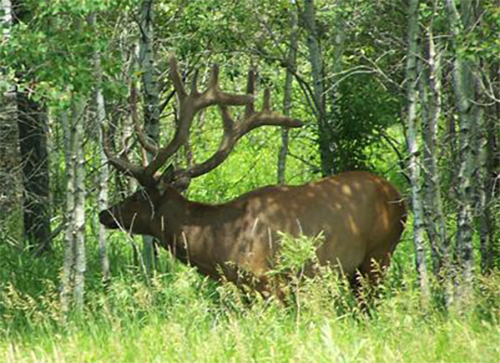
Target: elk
{"type": "Point", "coordinates": [360, 214]}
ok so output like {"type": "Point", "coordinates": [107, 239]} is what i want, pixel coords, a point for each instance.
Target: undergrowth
{"type": "Point", "coordinates": [179, 316]}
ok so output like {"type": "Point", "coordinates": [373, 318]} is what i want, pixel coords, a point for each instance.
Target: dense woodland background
{"type": "Point", "coordinates": [407, 89]}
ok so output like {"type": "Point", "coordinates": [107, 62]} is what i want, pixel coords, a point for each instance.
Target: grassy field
{"type": "Point", "coordinates": [180, 317]}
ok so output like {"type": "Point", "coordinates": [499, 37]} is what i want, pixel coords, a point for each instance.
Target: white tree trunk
{"type": "Point", "coordinates": [103, 190]}
{"type": "Point", "coordinates": [339, 47]}
{"type": "Point", "coordinates": [67, 274]}
{"type": "Point", "coordinates": [326, 145]}
{"type": "Point", "coordinates": [288, 93]}
{"type": "Point", "coordinates": [102, 199]}
{"type": "Point", "coordinates": [430, 96]}
{"type": "Point", "coordinates": [413, 131]}
{"type": "Point", "coordinates": [151, 101]}
{"type": "Point", "coordinates": [464, 88]}
{"type": "Point", "coordinates": [483, 194]}
{"type": "Point", "coordinates": [74, 265]}
{"type": "Point", "coordinates": [79, 211]}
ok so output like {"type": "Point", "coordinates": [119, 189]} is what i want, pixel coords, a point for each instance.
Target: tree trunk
{"type": "Point", "coordinates": [102, 199]}
{"type": "Point", "coordinates": [79, 212]}
{"type": "Point", "coordinates": [74, 266]}
{"type": "Point", "coordinates": [414, 165]}
{"type": "Point", "coordinates": [32, 123]}
{"type": "Point", "coordinates": [465, 94]}
{"type": "Point", "coordinates": [67, 274]}
{"type": "Point", "coordinates": [288, 94]}
{"type": "Point", "coordinates": [483, 195]}
{"type": "Point", "coordinates": [151, 102]}
{"type": "Point", "coordinates": [10, 173]}
{"type": "Point", "coordinates": [430, 99]}
{"type": "Point", "coordinates": [103, 189]}
{"type": "Point", "coordinates": [493, 130]}
{"type": "Point", "coordinates": [326, 140]}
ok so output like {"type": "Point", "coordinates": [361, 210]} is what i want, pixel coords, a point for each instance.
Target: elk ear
{"type": "Point", "coordinates": [177, 180]}
{"type": "Point", "coordinates": [181, 184]}
{"type": "Point", "coordinates": [166, 178]}
{"type": "Point", "coordinates": [168, 174]}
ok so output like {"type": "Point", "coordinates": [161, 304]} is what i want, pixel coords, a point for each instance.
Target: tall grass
{"type": "Point", "coordinates": [182, 317]}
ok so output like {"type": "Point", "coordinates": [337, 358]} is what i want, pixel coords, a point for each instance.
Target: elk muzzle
{"type": "Point", "coordinates": [108, 219]}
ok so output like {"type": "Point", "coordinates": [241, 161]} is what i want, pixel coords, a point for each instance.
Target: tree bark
{"type": "Point", "coordinates": [10, 166]}
{"type": "Point", "coordinates": [74, 265]}
{"type": "Point", "coordinates": [67, 274]}
{"type": "Point", "coordinates": [151, 102]}
{"type": "Point", "coordinates": [102, 199]}
{"type": "Point", "coordinates": [430, 99]}
{"type": "Point", "coordinates": [79, 211]}
{"type": "Point", "coordinates": [103, 188]}
{"type": "Point", "coordinates": [288, 94]}
{"type": "Point", "coordinates": [483, 193]}
{"type": "Point", "coordinates": [326, 140]}
{"type": "Point", "coordinates": [32, 123]}
{"type": "Point", "coordinates": [465, 94]}
{"type": "Point", "coordinates": [412, 129]}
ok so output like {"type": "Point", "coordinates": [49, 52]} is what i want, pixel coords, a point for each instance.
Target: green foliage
{"type": "Point", "coordinates": [364, 112]}
{"type": "Point", "coordinates": [52, 46]}
{"type": "Point", "coordinates": [183, 317]}
{"type": "Point", "coordinates": [296, 253]}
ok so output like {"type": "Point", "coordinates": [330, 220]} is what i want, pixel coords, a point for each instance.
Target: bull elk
{"type": "Point", "coordinates": [360, 214]}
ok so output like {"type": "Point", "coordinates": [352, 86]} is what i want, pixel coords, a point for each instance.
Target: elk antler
{"type": "Point", "coordinates": [233, 131]}
{"type": "Point", "coordinates": [189, 105]}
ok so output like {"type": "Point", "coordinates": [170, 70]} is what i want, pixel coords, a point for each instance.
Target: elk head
{"type": "Point", "coordinates": [135, 213]}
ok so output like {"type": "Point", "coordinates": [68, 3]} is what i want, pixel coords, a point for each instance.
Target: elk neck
{"type": "Point", "coordinates": [196, 233]}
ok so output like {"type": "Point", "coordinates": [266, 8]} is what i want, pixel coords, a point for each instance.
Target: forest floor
{"type": "Point", "coordinates": [177, 316]}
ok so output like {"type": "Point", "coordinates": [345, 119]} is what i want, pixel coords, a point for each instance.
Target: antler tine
{"type": "Point", "coordinates": [122, 164]}
{"type": "Point", "coordinates": [267, 117]}
{"type": "Point", "coordinates": [176, 78]}
{"type": "Point", "coordinates": [214, 96]}
{"type": "Point", "coordinates": [213, 83]}
{"type": "Point", "coordinates": [194, 83]}
{"type": "Point", "coordinates": [250, 109]}
{"type": "Point", "coordinates": [266, 105]}
{"type": "Point", "coordinates": [227, 120]}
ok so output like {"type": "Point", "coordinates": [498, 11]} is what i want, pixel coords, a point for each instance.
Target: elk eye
{"type": "Point", "coordinates": [140, 195]}
{"type": "Point", "coordinates": [136, 197]}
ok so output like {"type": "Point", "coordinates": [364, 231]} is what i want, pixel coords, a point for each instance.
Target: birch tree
{"type": "Point", "coordinates": [326, 144]}
{"type": "Point", "coordinates": [487, 136]}
{"type": "Point", "coordinates": [430, 100]}
{"type": "Point", "coordinates": [490, 172]}
{"type": "Point", "coordinates": [288, 93]}
{"type": "Point", "coordinates": [67, 273]}
{"type": "Point", "coordinates": [79, 211]}
{"type": "Point", "coordinates": [10, 176]}
{"type": "Point", "coordinates": [151, 100]}
{"type": "Point", "coordinates": [102, 199]}
{"type": "Point", "coordinates": [464, 86]}
{"type": "Point", "coordinates": [74, 265]}
{"type": "Point", "coordinates": [413, 129]}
